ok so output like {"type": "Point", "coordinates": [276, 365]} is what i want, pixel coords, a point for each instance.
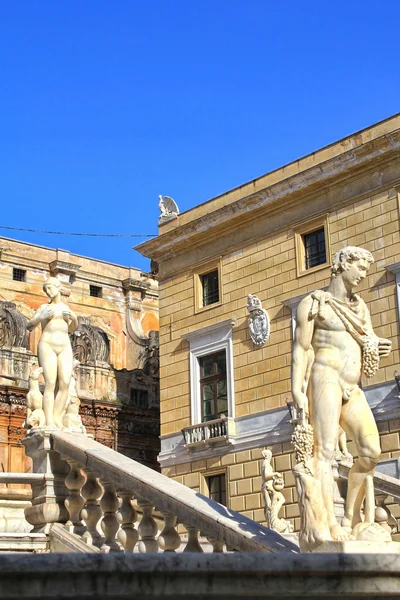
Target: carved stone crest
{"type": "Point", "coordinates": [259, 323]}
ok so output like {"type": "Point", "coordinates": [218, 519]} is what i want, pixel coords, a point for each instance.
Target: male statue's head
{"type": "Point", "coordinates": [351, 264]}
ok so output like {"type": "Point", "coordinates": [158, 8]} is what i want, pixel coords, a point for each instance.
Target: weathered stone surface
{"type": "Point", "coordinates": [199, 576]}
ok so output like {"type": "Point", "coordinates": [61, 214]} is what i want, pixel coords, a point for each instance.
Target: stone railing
{"type": "Point", "coordinates": [211, 433]}
{"type": "Point", "coordinates": [87, 494]}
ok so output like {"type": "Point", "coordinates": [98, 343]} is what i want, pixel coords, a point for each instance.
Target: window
{"type": "Point", "coordinates": [217, 488]}
{"type": "Point", "coordinates": [211, 372]}
{"type": "Point", "coordinates": [96, 291]}
{"type": "Point", "coordinates": [140, 398]}
{"type": "Point", "coordinates": [312, 246]}
{"type": "Point", "coordinates": [19, 275]}
{"type": "Point", "coordinates": [213, 386]}
{"type": "Point", "coordinates": [210, 288]}
{"type": "Point", "coordinates": [207, 286]}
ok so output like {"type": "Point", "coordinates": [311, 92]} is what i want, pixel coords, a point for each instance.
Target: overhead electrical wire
{"type": "Point", "coordinates": [80, 234]}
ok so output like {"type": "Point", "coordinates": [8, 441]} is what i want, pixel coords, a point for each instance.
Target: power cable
{"type": "Point", "coordinates": [80, 234]}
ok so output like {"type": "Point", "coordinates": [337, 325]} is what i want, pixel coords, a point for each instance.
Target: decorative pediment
{"type": "Point", "coordinates": [13, 331]}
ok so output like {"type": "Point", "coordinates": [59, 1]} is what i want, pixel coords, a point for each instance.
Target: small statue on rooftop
{"type": "Point", "coordinates": [169, 209]}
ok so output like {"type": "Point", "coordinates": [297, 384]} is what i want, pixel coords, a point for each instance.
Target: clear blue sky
{"type": "Point", "coordinates": [106, 104]}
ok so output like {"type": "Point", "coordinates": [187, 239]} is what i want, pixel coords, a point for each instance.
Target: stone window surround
{"type": "Point", "coordinates": [207, 341]}
{"type": "Point", "coordinates": [299, 232]}
{"type": "Point", "coordinates": [395, 269]}
{"type": "Point", "coordinates": [215, 265]}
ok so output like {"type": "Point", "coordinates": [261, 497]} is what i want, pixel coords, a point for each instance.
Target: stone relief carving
{"type": "Point", "coordinates": [13, 332]}
{"type": "Point", "coordinates": [54, 350]}
{"type": "Point", "coordinates": [334, 343]}
{"type": "Point", "coordinates": [259, 322]}
{"type": "Point", "coordinates": [90, 344]}
{"type": "Point", "coordinates": [271, 490]}
{"type": "Point", "coordinates": [169, 209]}
{"type": "Point", "coordinates": [152, 355]}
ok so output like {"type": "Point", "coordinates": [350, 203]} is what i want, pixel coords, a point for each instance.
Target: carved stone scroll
{"type": "Point", "coordinates": [90, 343]}
{"type": "Point", "coordinates": [13, 332]}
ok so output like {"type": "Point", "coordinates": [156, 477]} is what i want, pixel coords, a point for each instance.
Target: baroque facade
{"type": "Point", "coordinates": [116, 344]}
{"type": "Point", "coordinates": [232, 272]}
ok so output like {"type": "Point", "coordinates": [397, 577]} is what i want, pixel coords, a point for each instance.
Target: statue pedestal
{"type": "Point", "coordinates": [358, 547]}
{"type": "Point", "coordinates": [48, 495]}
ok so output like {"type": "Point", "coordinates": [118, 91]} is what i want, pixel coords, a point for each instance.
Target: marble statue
{"type": "Point", "coordinates": [334, 344]}
{"type": "Point", "coordinates": [259, 323]}
{"type": "Point", "coordinates": [34, 401]}
{"type": "Point", "coordinates": [71, 419]}
{"type": "Point", "coordinates": [271, 489]}
{"type": "Point", "coordinates": [54, 350]}
{"type": "Point", "coordinates": [169, 209]}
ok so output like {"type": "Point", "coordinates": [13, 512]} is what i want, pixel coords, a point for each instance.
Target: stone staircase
{"type": "Point", "coordinates": [87, 498]}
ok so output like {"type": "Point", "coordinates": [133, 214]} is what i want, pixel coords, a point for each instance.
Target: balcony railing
{"type": "Point", "coordinates": [211, 433]}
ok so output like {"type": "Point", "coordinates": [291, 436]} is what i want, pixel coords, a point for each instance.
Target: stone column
{"type": "Point", "coordinates": [48, 495]}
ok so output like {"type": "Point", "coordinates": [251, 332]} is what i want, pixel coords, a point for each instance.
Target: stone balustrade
{"type": "Point", "coordinates": [211, 433]}
{"type": "Point", "coordinates": [86, 502]}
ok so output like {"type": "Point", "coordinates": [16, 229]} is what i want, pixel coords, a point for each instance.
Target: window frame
{"type": "Point", "coordinates": [19, 269]}
{"type": "Point", "coordinates": [98, 287]}
{"type": "Point", "coordinates": [203, 342]}
{"type": "Point", "coordinates": [211, 380]}
{"type": "Point", "coordinates": [222, 475]}
{"type": "Point", "coordinates": [305, 229]}
{"type": "Point", "coordinates": [198, 274]}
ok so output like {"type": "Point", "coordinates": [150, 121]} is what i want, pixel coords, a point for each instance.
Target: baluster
{"type": "Point", "coordinates": [91, 512]}
{"type": "Point", "coordinates": [147, 528]}
{"type": "Point", "coordinates": [169, 539]}
{"type": "Point", "coordinates": [193, 544]}
{"type": "Point", "coordinates": [206, 432]}
{"type": "Point", "coordinates": [217, 545]}
{"type": "Point", "coordinates": [74, 501]}
{"type": "Point", "coordinates": [109, 505]}
{"type": "Point", "coordinates": [127, 516]}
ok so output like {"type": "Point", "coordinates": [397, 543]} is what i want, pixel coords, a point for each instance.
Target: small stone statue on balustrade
{"type": "Point", "coordinates": [271, 489]}
{"type": "Point", "coordinates": [334, 344]}
{"type": "Point", "coordinates": [54, 351]}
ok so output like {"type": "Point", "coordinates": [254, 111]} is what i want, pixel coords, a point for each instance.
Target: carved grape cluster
{"type": "Point", "coordinates": [370, 357]}
{"type": "Point", "coordinates": [303, 442]}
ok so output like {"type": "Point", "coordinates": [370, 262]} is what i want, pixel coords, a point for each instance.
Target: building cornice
{"type": "Point", "coordinates": [290, 190]}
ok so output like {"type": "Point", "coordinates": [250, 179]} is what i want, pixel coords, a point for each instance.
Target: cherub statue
{"type": "Point", "coordinates": [54, 350]}
{"type": "Point", "coordinates": [34, 401]}
{"type": "Point", "coordinates": [71, 419]}
{"type": "Point", "coordinates": [271, 489]}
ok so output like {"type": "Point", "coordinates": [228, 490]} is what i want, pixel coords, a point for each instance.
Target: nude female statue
{"type": "Point", "coordinates": [54, 350]}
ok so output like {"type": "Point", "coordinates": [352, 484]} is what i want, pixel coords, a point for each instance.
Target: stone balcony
{"type": "Point", "coordinates": [218, 432]}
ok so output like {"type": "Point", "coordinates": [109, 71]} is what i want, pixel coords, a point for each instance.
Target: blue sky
{"type": "Point", "coordinates": [104, 105]}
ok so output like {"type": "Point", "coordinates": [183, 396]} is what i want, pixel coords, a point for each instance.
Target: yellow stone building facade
{"type": "Point", "coordinates": [223, 398]}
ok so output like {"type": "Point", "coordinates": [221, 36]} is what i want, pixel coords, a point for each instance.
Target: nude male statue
{"type": "Point", "coordinates": [334, 343]}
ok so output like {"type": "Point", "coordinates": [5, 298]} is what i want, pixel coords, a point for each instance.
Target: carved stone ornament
{"type": "Point", "coordinates": [13, 333]}
{"type": "Point", "coordinates": [259, 323]}
{"type": "Point", "coordinates": [90, 343]}
{"type": "Point", "coordinates": [169, 209]}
